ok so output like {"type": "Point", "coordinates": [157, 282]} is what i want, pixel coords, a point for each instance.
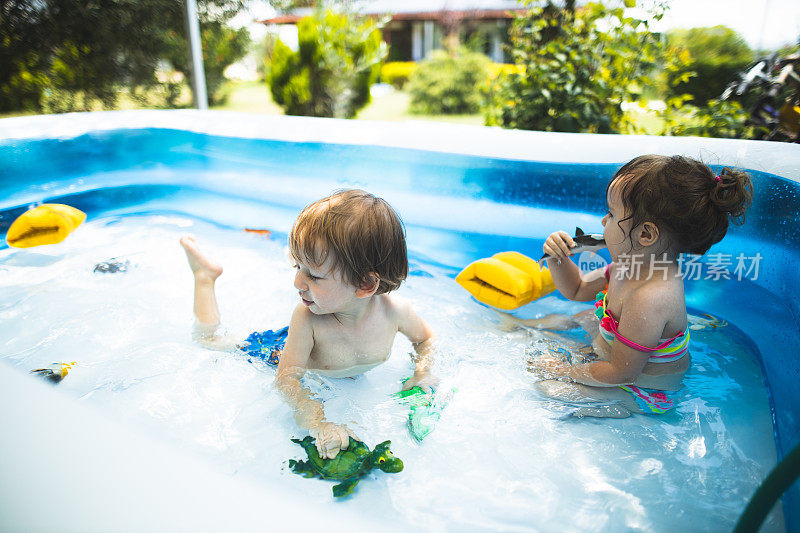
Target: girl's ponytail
{"type": "Point", "coordinates": [732, 193]}
{"type": "Point", "coordinates": [684, 198]}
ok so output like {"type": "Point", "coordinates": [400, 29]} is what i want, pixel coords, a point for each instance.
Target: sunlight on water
{"type": "Point", "coordinates": [502, 457]}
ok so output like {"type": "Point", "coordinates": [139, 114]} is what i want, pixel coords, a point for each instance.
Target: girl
{"type": "Point", "coordinates": [658, 208]}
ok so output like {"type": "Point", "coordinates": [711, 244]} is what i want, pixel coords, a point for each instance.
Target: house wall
{"type": "Point", "coordinates": [414, 40]}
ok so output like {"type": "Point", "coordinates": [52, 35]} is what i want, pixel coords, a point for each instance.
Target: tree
{"type": "Point", "coordinates": [22, 55]}
{"type": "Point", "coordinates": [222, 46]}
{"type": "Point", "coordinates": [716, 54]}
{"type": "Point", "coordinates": [287, 5]}
{"type": "Point", "coordinates": [337, 60]}
{"type": "Point", "coordinates": [74, 54]}
{"type": "Point", "coordinates": [576, 67]}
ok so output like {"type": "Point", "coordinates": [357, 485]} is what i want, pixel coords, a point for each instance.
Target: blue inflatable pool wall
{"type": "Point", "coordinates": [119, 162]}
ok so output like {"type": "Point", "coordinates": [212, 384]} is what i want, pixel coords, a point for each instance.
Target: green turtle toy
{"type": "Point", "coordinates": [348, 466]}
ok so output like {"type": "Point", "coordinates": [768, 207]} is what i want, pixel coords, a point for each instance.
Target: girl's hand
{"type": "Point", "coordinates": [424, 380]}
{"type": "Point", "coordinates": [331, 438]}
{"type": "Point", "coordinates": [548, 366]}
{"type": "Point", "coordinates": [558, 245]}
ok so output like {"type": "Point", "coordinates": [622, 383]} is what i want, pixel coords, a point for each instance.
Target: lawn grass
{"type": "Point", "coordinates": [393, 106]}
{"type": "Point", "coordinates": [254, 97]}
{"type": "Point", "coordinates": [388, 106]}
{"type": "Point", "coordinates": [250, 97]}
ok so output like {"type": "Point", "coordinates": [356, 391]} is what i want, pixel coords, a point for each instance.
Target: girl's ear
{"type": "Point", "coordinates": [649, 234]}
{"type": "Point", "coordinates": [369, 288]}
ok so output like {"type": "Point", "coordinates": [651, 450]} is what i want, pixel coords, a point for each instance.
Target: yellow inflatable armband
{"type": "Point", "coordinates": [46, 224]}
{"type": "Point", "coordinates": [506, 280]}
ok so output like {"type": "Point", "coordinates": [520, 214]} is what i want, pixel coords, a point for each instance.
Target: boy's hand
{"type": "Point", "coordinates": [331, 438]}
{"type": "Point", "coordinates": [424, 380]}
{"type": "Point", "coordinates": [558, 245]}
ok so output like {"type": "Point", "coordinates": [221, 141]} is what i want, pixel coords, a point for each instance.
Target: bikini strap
{"type": "Point", "coordinates": [636, 346]}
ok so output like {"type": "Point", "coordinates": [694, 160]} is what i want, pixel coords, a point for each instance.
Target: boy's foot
{"type": "Point", "coordinates": [201, 266]}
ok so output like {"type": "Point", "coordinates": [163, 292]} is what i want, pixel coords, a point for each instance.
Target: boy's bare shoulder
{"type": "Point", "coordinates": [395, 306]}
{"type": "Point", "coordinates": [302, 318]}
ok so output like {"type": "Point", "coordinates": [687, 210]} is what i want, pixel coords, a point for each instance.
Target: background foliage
{"type": "Point", "coordinates": [222, 46]}
{"type": "Point", "coordinates": [73, 55]}
{"type": "Point", "coordinates": [397, 73]}
{"type": "Point", "coordinates": [576, 67]}
{"type": "Point", "coordinates": [447, 82]}
{"type": "Point", "coordinates": [338, 59]}
{"type": "Point", "coordinates": [715, 56]}
{"type": "Point", "coordinates": [722, 119]}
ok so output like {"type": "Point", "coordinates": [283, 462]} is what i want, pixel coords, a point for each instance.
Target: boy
{"type": "Point", "coordinates": [350, 252]}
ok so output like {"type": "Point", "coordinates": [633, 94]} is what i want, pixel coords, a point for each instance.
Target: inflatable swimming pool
{"type": "Point", "coordinates": [463, 192]}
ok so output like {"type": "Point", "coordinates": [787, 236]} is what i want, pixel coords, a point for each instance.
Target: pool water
{"type": "Point", "coordinates": [501, 457]}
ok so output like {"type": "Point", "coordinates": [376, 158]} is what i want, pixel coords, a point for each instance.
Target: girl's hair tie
{"type": "Point", "coordinates": [718, 178]}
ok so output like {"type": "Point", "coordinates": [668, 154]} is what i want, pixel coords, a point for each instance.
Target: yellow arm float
{"type": "Point", "coordinates": [46, 224]}
{"type": "Point", "coordinates": [506, 280]}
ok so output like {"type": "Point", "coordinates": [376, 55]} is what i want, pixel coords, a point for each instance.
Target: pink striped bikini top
{"type": "Point", "coordinates": [667, 351]}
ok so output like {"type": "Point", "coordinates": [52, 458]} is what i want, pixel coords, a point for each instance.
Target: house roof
{"type": "Point", "coordinates": [417, 9]}
{"type": "Point", "coordinates": [433, 6]}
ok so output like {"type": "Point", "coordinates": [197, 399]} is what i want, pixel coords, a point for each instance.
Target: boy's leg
{"type": "Point", "coordinates": [553, 322]}
{"type": "Point", "coordinates": [587, 320]}
{"type": "Point", "coordinates": [205, 273]}
{"type": "Point", "coordinates": [206, 310]}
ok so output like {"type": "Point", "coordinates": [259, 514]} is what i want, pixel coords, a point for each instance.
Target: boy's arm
{"type": "Point", "coordinates": [421, 336]}
{"type": "Point", "coordinates": [309, 414]}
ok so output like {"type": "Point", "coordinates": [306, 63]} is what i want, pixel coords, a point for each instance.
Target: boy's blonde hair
{"type": "Point", "coordinates": [361, 232]}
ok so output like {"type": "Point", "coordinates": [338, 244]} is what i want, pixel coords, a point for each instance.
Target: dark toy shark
{"type": "Point", "coordinates": [584, 242]}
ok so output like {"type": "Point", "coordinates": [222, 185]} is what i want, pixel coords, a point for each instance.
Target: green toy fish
{"type": "Point", "coordinates": [425, 409]}
{"type": "Point", "coordinates": [348, 466]}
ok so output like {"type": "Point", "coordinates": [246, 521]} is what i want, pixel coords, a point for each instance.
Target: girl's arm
{"type": "Point", "coordinates": [642, 321]}
{"type": "Point", "coordinates": [567, 276]}
{"type": "Point", "coordinates": [421, 336]}
{"type": "Point", "coordinates": [309, 414]}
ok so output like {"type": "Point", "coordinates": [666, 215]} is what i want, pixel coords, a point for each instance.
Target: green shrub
{"type": "Point", "coordinates": [166, 93]}
{"type": "Point", "coordinates": [222, 46]}
{"type": "Point", "coordinates": [504, 69]}
{"type": "Point", "coordinates": [23, 89]}
{"type": "Point", "coordinates": [397, 73]}
{"type": "Point", "coordinates": [263, 51]}
{"type": "Point", "coordinates": [722, 119]}
{"type": "Point", "coordinates": [716, 56]}
{"type": "Point", "coordinates": [576, 67]}
{"type": "Point", "coordinates": [448, 83]}
{"type": "Point", "coordinates": [337, 60]}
